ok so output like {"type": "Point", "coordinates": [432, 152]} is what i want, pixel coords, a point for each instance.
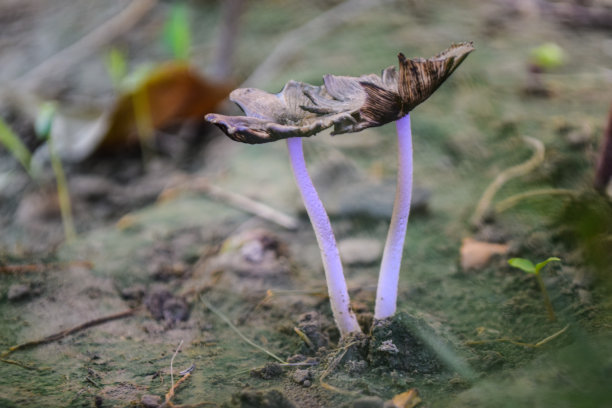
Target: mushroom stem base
{"type": "Point", "coordinates": [388, 278]}
{"type": "Point", "coordinates": [336, 285]}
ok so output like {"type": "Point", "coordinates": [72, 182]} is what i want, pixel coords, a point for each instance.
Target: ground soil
{"type": "Point", "coordinates": [232, 288]}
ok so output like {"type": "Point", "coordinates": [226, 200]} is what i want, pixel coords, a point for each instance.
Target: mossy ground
{"type": "Point", "coordinates": [467, 133]}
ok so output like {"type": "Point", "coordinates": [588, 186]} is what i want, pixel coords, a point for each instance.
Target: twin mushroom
{"type": "Point", "coordinates": [349, 104]}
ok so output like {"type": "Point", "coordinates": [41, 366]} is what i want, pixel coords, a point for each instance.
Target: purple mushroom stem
{"type": "Point", "coordinates": [336, 285]}
{"type": "Point", "coordinates": [388, 278]}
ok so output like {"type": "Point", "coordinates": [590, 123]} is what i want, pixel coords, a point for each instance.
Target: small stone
{"type": "Point", "coordinates": [163, 305]}
{"type": "Point", "coordinates": [300, 376]}
{"type": "Point", "coordinates": [388, 347]}
{"type": "Point", "coordinates": [20, 291]}
{"type": "Point", "coordinates": [267, 372]}
{"type": "Point", "coordinates": [368, 402]}
{"type": "Point", "coordinates": [135, 292]}
{"type": "Point", "coordinates": [261, 399]}
{"type": "Point", "coordinates": [360, 251]}
{"type": "Point", "coordinates": [150, 401]}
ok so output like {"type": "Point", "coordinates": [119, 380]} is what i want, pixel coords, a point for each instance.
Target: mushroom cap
{"type": "Point", "coordinates": [349, 104]}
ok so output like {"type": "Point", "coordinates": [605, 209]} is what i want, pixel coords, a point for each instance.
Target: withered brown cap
{"type": "Point", "coordinates": [349, 104]}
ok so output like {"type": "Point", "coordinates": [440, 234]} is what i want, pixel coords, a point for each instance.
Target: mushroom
{"type": "Point", "coordinates": [348, 104]}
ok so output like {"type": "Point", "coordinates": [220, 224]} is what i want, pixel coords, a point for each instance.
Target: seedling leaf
{"type": "Point", "coordinates": [548, 56]}
{"type": "Point", "coordinates": [542, 264]}
{"type": "Point", "coordinates": [11, 141]}
{"type": "Point", "coordinates": [116, 66]}
{"type": "Point", "coordinates": [176, 32]}
{"type": "Point", "coordinates": [44, 120]}
{"type": "Point", "coordinates": [523, 264]}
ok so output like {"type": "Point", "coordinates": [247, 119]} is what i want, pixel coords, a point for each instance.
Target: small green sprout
{"type": "Point", "coordinates": [116, 66]}
{"type": "Point", "coordinates": [15, 146]}
{"type": "Point", "coordinates": [548, 56]}
{"type": "Point", "coordinates": [527, 266]}
{"type": "Point", "coordinates": [177, 35]}
{"type": "Point", "coordinates": [43, 125]}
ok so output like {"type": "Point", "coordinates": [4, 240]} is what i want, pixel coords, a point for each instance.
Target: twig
{"type": "Point", "coordinates": [60, 63]}
{"type": "Point", "coordinates": [42, 267]}
{"type": "Point", "coordinates": [513, 172]}
{"type": "Point", "coordinates": [236, 200]}
{"type": "Point", "coordinates": [519, 343]}
{"type": "Point", "coordinates": [19, 364]}
{"type": "Point", "coordinates": [510, 202]}
{"type": "Point", "coordinates": [304, 337]}
{"type": "Point", "coordinates": [238, 332]}
{"type": "Point", "coordinates": [295, 40]}
{"type": "Point", "coordinates": [64, 333]}
{"type": "Point", "coordinates": [172, 362]}
{"type": "Point", "coordinates": [172, 391]}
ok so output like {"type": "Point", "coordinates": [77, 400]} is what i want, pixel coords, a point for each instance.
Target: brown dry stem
{"type": "Point", "coordinates": [42, 267]}
{"type": "Point", "coordinates": [63, 333]}
{"type": "Point", "coordinates": [238, 201]}
{"type": "Point", "coordinates": [502, 178]}
{"type": "Point", "coordinates": [519, 343]}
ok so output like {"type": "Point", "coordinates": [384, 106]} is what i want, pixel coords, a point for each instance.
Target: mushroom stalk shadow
{"type": "Point", "coordinates": [336, 284]}
{"type": "Point", "coordinates": [388, 278]}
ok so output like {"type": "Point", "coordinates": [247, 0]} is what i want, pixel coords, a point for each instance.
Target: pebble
{"type": "Point", "coordinates": [150, 401]}
{"type": "Point", "coordinates": [303, 377]}
{"type": "Point", "coordinates": [360, 251]}
{"type": "Point", "coordinates": [20, 291]}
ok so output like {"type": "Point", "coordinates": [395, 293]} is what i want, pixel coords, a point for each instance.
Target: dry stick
{"type": "Point", "coordinates": [67, 332]}
{"type": "Point", "coordinates": [19, 364]}
{"type": "Point", "coordinates": [172, 362]}
{"type": "Point", "coordinates": [170, 393]}
{"type": "Point", "coordinates": [511, 201]}
{"type": "Point", "coordinates": [519, 343]}
{"type": "Point", "coordinates": [235, 200]}
{"type": "Point", "coordinates": [60, 63]}
{"type": "Point", "coordinates": [42, 267]}
{"type": "Point", "coordinates": [295, 40]}
{"type": "Point", "coordinates": [506, 175]}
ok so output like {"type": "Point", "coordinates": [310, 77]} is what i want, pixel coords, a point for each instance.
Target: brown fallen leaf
{"type": "Point", "coordinates": [477, 254]}
{"type": "Point", "coordinates": [407, 399]}
{"type": "Point", "coordinates": [172, 92]}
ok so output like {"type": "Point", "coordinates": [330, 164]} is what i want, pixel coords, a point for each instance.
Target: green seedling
{"type": "Point", "coordinates": [527, 266]}
{"type": "Point", "coordinates": [116, 66]}
{"type": "Point", "coordinates": [15, 146]}
{"type": "Point", "coordinates": [177, 35]}
{"type": "Point", "coordinates": [43, 125]}
{"type": "Point", "coordinates": [548, 56]}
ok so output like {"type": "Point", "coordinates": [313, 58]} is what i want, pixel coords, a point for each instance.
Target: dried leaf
{"type": "Point", "coordinates": [477, 254]}
{"type": "Point", "coordinates": [172, 92]}
{"type": "Point", "coordinates": [407, 399]}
